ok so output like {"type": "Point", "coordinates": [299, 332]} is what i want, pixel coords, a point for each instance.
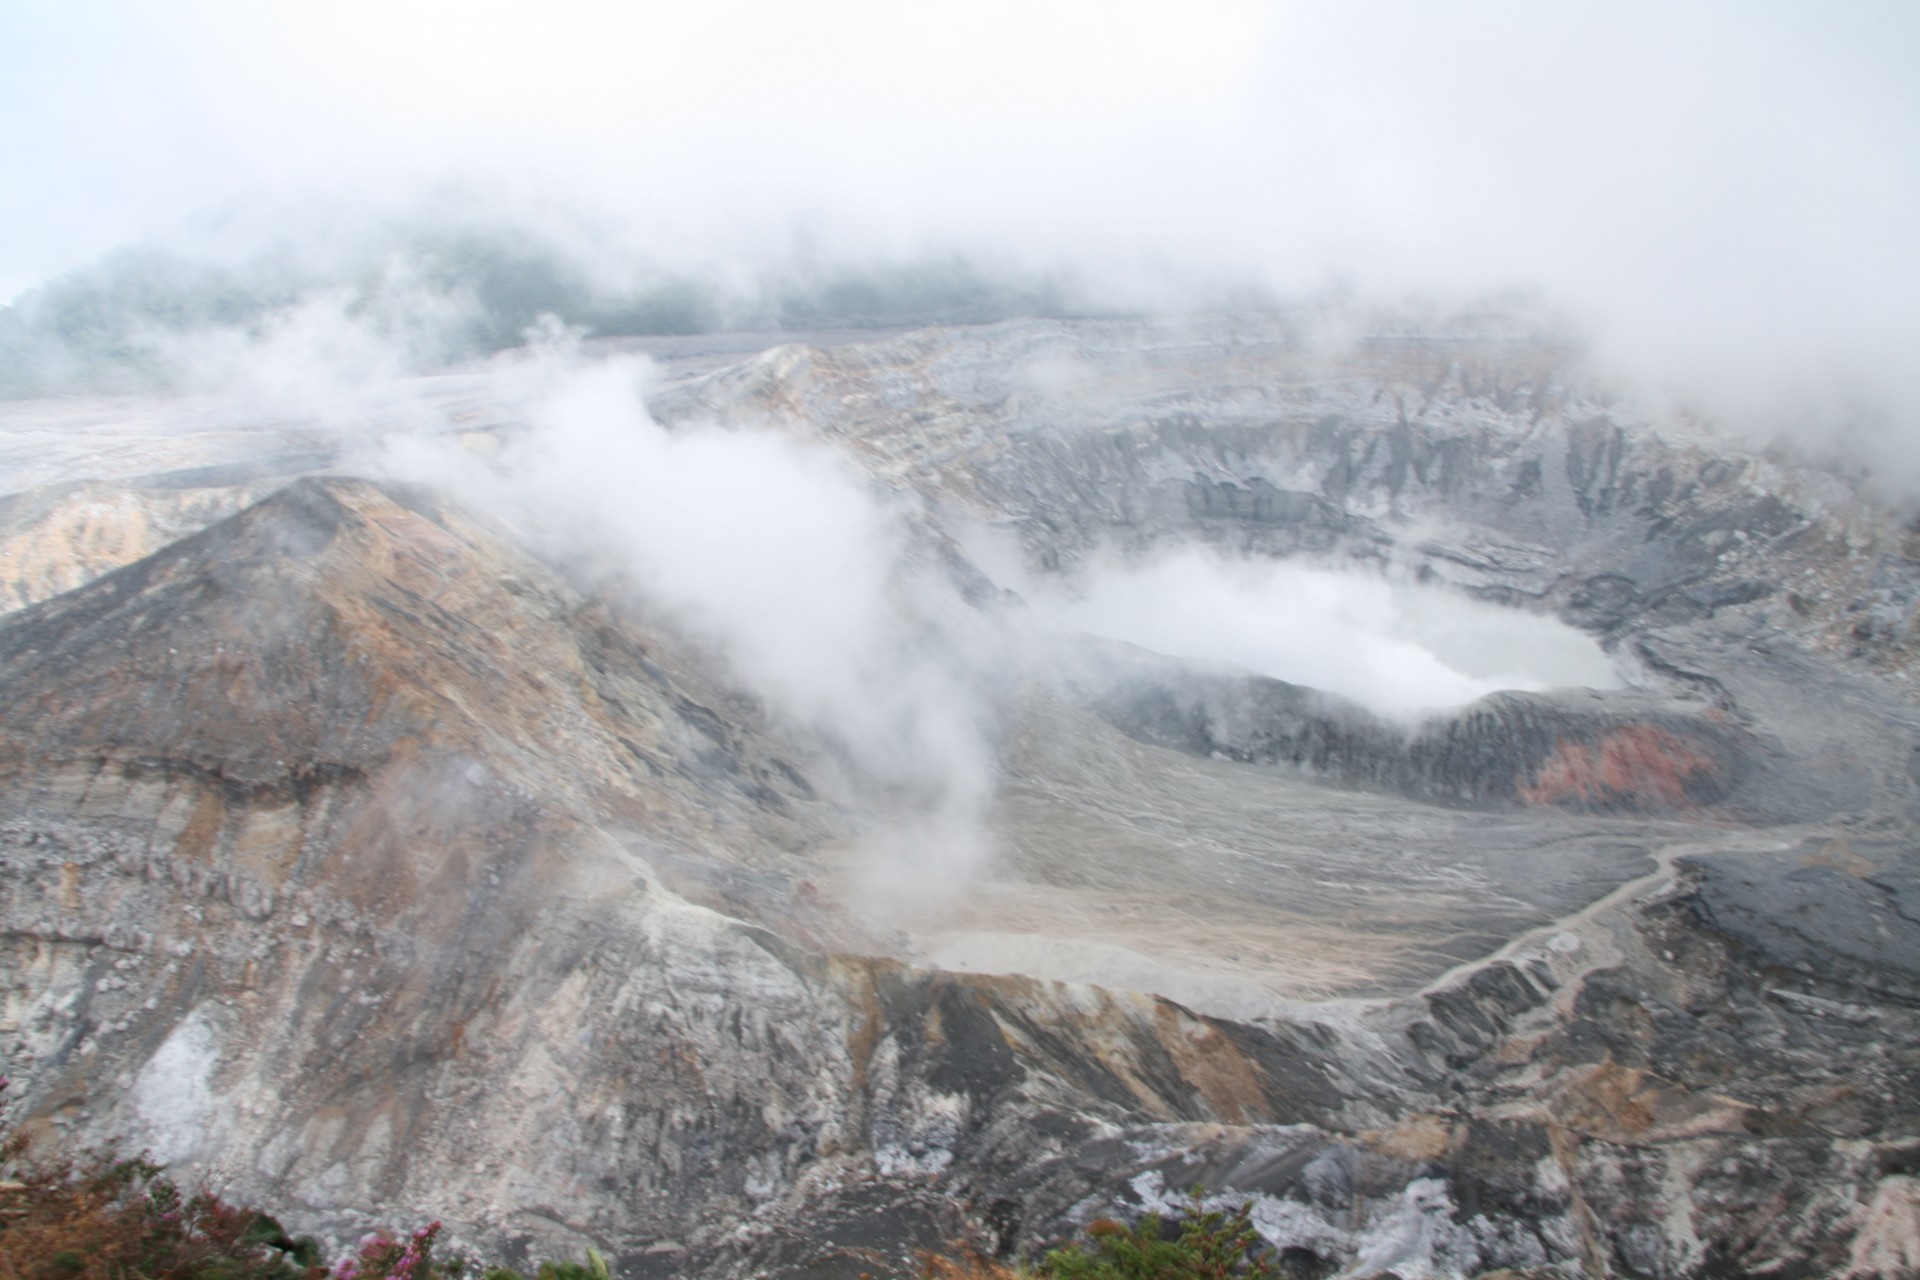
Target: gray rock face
{"type": "Point", "coordinates": [1487, 467]}
{"type": "Point", "coordinates": [1677, 1110]}
{"type": "Point", "coordinates": [357, 851]}
{"type": "Point", "coordinates": [1824, 914]}
{"type": "Point", "coordinates": [1578, 750]}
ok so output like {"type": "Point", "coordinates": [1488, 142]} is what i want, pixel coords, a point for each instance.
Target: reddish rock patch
{"type": "Point", "coordinates": [1640, 766]}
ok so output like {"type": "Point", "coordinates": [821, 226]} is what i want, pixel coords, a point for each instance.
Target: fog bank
{"type": "Point", "coordinates": [1719, 195]}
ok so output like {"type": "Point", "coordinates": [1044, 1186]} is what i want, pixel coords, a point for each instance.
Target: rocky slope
{"type": "Point", "coordinates": [361, 850]}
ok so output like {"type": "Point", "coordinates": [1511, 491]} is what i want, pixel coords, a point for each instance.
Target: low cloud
{"type": "Point", "coordinates": [1720, 197]}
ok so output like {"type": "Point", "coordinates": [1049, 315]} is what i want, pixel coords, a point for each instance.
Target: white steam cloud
{"type": "Point", "coordinates": [774, 550]}
{"type": "Point", "coordinates": [1397, 649]}
{"type": "Point", "coordinates": [325, 348]}
{"type": "Point", "coordinates": [784, 560]}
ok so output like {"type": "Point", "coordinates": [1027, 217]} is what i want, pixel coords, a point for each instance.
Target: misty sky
{"type": "Point", "coordinates": [1730, 186]}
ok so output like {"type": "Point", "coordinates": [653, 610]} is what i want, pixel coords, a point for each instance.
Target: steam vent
{"type": "Point", "coordinates": [769, 810]}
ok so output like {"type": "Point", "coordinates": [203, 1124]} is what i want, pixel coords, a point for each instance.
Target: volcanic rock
{"type": "Point", "coordinates": [361, 848]}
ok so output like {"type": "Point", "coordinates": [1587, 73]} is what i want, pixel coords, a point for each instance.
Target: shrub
{"type": "Point", "coordinates": [381, 1257]}
{"type": "Point", "coordinates": [1206, 1244]}
{"type": "Point", "coordinates": [100, 1218]}
{"type": "Point", "coordinates": [95, 1216]}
